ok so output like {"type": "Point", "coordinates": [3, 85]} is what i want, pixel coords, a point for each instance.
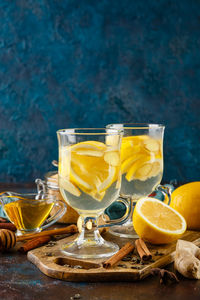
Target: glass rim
{"type": "Point", "coordinates": [85, 131]}
{"type": "Point", "coordinates": [138, 125]}
{"type": "Point", "coordinates": [23, 197]}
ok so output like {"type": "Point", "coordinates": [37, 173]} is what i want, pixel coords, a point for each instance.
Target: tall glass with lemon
{"type": "Point", "coordinates": [141, 165]}
{"type": "Point", "coordinates": [89, 180]}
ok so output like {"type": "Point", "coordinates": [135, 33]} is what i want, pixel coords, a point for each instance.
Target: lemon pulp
{"type": "Point", "coordinates": [156, 222]}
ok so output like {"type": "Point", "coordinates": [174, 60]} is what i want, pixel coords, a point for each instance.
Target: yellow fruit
{"type": "Point", "coordinates": [97, 196]}
{"type": "Point", "coordinates": [89, 152]}
{"type": "Point", "coordinates": [108, 180]}
{"type": "Point", "coordinates": [135, 169]}
{"type": "Point", "coordinates": [128, 163]}
{"type": "Point", "coordinates": [186, 200]}
{"type": "Point", "coordinates": [90, 145]}
{"type": "Point", "coordinates": [129, 146]}
{"type": "Point", "coordinates": [80, 180]}
{"type": "Point", "coordinates": [156, 222]}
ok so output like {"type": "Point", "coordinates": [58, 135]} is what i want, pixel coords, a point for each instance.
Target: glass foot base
{"type": "Point", "coordinates": [124, 231]}
{"type": "Point", "coordinates": [90, 249]}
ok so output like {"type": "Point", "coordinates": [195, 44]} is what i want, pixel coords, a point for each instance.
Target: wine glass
{"type": "Point", "coordinates": [141, 166]}
{"type": "Point", "coordinates": [89, 180]}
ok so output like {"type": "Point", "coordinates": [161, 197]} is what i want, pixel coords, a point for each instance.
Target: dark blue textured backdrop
{"type": "Point", "coordinates": [88, 63]}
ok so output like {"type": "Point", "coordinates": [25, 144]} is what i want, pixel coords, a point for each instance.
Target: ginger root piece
{"type": "Point", "coordinates": [187, 259]}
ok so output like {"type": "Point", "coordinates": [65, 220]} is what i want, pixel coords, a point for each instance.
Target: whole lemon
{"type": "Point", "coordinates": [186, 200]}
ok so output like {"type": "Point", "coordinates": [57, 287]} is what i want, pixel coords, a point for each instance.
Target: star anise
{"type": "Point", "coordinates": [164, 275]}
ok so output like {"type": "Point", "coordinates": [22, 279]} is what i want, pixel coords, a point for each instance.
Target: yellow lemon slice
{"type": "Point", "coordinates": [135, 138]}
{"type": "Point", "coordinates": [129, 147]}
{"type": "Point", "coordinates": [134, 170]}
{"type": "Point", "coordinates": [68, 186]}
{"type": "Point", "coordinates": [97, 196]}
{"type": "Point", "coordinates": [90, 148]}
{"type": "Point", "coordinates": [92, 145]}
{"type": "Point", "coordinates": [128, 163]}
{"type": "Point", "coordinates": [89, 152]}
{"type": "Point", "coordinates": [108, 181]}
{"type": "Point", "coordinates": [79, 181]}
{"type": "Point", "coordinates": [156, 222]}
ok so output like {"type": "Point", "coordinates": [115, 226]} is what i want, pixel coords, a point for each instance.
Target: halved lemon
{"type": "Point", "coordinates": [156, 222]}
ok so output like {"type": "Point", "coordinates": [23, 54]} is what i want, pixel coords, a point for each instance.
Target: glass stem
{"type": "Point", "coordinates": [89, 231]}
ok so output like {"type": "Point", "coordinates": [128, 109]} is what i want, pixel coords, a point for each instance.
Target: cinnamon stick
{"type": "Point", "coordinates": [3, 220]}
{"type": "Point", "coordinates": [34, 243]}
{"type": "Point", "coordinates": [8, 226]}
{"type": "Point", "coordinates": [126, 249]}
{"type": "Point", "coordinates": [142, 250]}
{"type": "Point", "coordinates": [69, 229]}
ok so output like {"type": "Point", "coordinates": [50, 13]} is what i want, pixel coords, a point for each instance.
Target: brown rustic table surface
{"type": "Point", "coordinates": [19, 279]}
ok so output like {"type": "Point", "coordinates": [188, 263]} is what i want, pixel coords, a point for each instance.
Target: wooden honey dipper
{"type": "Point", "coordinates": [8, 239]}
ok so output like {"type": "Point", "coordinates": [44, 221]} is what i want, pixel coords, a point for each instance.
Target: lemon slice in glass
{"type": "Point", "coordinates": [69, 186]}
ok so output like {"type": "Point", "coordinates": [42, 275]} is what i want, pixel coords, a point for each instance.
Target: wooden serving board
{"type": "Point", "coordinates": [53, 263]}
